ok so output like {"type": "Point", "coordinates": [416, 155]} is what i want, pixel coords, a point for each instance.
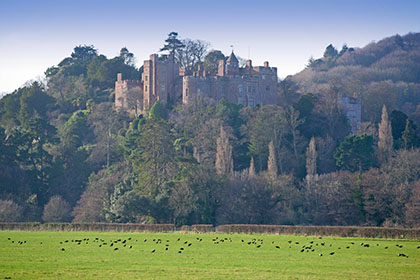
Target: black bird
{"type": "Point", "coordinates": [278, 247]}
{"type": "Point", "coordinates": [62, 249]}
{"type": "Point", "coordinates": [418, 247]}
{"type": "Point", "coordinates": [332, 253]}
{"type": "Point", "coordinates": [189, 244]}
{"type": "Point", "coordinates": [302, 250]}
{"type": "Point", "coordinates": [320, 255]}
{"type": "Point", "coordinates": [258, 246]}
{"type": "Point", "coordinates": [166, 249]}
{"type": "Point", "coordinates": [115, 249]}
{"type": "Point", "coordinates": [130, 247]}
{"type": "Point", "coordinates": [153, 251]}
{"type": "Point", "coordinates": [386, 247]}
{"type": "Point", "coordinates": [181, 249]}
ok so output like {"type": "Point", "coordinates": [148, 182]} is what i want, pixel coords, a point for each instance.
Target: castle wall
{"type": "Point", "coordinates": [128, 95]}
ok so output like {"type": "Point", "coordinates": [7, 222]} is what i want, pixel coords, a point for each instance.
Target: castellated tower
{"type": "Point", "coordinates": [160, 81]}
{"type": "Point", "coordinates": [128, 96]}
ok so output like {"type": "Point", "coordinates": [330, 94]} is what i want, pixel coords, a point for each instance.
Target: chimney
{"type": "Point", "coordinates": [249, 63]}
{"type": "Point", "coordinates": [119, 77]}
{"type": "Point", "coordinates": [266, 64]}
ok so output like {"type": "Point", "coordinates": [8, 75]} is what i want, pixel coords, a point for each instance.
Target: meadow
{"type": "Point", "coordinates": [177, 255]}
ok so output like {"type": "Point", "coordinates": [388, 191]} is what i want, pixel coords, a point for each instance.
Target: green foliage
{"type": "Point", "coordinates": [330, 52]}
{"type": "Point", "coordinates": [355, 153]}
{"type": "Point", "coordinates": [172, 44]}
{"type": "Point", "coordinates": [157, 112]}
{"type": "Point", "coordinates": [211, 61]}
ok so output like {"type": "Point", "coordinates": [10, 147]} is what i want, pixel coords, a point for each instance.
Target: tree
{"type": "Point", "coordinates": [224, 160]}
{"type": "Point", "coordinates": [10, 211]}
{"type": "Point", "coordinates": [57, 210]}
{"type": "Point", "coordinates": [127, 56]}
{"type": "Point", "coordinates": [398, 123]}
{"type": "Point", "coordinates": [311, 157]}
{"type": "Point", "coordinates": [157, 112]}
{"type": "Point", "coordinates": [272, 162]}
{"type": "Point", "coordinates": [355, 153]}
{"type": "Point", "coordinates": [211, 61]}
{"type": "Point", "coordinates": [412, 212]}
{"type": "Point", "coordinates": [192, 53]}
{"type": "Point", "coordinates": [330, 52]}
{"type": "Point", "coordinates": [153, 160]}
{"type": "Point", "coordinates": [409, 137]}
{"type": "Point", "coordinates": [84, 53]}
{"type": "Point", "coordinates": [385, 143]}
{"type": "Point", "coordinates": [172, 44]}
{"type": "Point", "coordinates": [252, 171]}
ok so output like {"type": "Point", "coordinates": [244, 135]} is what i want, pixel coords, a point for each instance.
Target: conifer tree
{"type": "Point", "coordinates": [271, 163]}
{"type": "Point", "coordinates": [252, 172]}
{"type": "Point", "coordinates": [224, 160]}
{"type": "Point", "coordinates": [311, 156]}
{"type": "Point", "coordinates": [385, 142]}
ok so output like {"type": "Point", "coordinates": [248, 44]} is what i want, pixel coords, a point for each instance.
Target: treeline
{"type": "Point", "coordinates": [67, 155]}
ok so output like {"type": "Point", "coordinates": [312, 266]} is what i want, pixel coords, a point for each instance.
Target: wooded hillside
{"type": "Point", "coordinates": [67, 155]}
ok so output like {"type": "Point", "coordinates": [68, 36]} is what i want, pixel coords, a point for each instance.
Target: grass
{"type": "Point", "coordinates": [42, 256]}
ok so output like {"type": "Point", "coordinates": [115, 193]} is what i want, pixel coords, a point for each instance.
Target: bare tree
{"type": "Point", "coordinates": [192, 53]}
{"type": "Point", "coordinates": [57, 210]}
{"type": "Point", "coordinates": [10, 211]}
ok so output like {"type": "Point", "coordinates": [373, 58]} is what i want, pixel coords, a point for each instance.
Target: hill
{"type": "Point", "coordinates": [385, 72]}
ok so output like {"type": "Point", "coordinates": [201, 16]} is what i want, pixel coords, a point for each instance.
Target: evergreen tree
{"type": "Point", "coordinates": [252, 172]}
{"type": "Point", "coordinates": [385, 143]}
{"type": "Point", "coordinates": [224, 160]}
{"type": "Point", "coordinates": [311, 156]}
{"type": "Point", "coordinates": [272, 163]}
{"type": "Point", "coordinates": [409, 136]}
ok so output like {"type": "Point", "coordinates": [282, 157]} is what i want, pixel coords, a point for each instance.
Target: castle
{"type": "Point", "coordinates": [163, 80]}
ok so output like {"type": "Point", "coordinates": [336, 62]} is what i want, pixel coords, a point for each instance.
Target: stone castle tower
{"type": "Point", "coordinates": [160, 81]}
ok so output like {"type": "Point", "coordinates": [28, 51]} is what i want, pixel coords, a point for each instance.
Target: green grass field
{"type": "Point", "coordinates": [90, 255]}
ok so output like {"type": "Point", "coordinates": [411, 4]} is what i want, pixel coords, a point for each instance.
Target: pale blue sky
{"type": "Point", "coordinates": [37, 34]}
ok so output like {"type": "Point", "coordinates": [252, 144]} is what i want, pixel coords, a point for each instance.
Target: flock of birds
{"type": "Point", "coordinates": [162, 245]}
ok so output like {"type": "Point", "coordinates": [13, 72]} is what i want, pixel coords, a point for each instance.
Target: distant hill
{"type": "Point", "coordinates": [387, 72]}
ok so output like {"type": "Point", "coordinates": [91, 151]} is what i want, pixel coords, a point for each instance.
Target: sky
{"type": "Point", "coordinates": [35, 35]}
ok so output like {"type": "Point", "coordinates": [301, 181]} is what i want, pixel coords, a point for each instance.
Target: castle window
{"type": "Point", "coordinates": [145, 88]}
{"type": "Point", "coordinates": [186, 92]}
{"type": "Point", "coordinates": [267, 88]}
{"type": "Point", "coordinates": [240, 88]}
{"type": "Point", "coordinates": [145, 78]}
{"type": "Point", "coordinates": [263, 77]}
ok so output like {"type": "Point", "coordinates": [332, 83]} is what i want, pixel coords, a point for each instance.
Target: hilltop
{"type": "Point", "coordinates": [384, 72]}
